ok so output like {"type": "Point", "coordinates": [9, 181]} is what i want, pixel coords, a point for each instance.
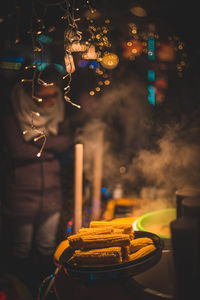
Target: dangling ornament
{"type": "Point", "coordinates": [77, 47]}
{"type": "Point", "coordinates": [90, 54]}
{"type": "Point", "coordinates": [69, 63]}
{"type": "Point", "coordinates": [109, 60]}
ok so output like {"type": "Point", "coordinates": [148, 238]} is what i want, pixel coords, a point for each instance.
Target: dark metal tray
{"type": "Point", "coordinates": [115, 271]}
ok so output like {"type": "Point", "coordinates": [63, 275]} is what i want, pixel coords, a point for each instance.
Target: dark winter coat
{"type": "Point", "coordinates": [32, 184]}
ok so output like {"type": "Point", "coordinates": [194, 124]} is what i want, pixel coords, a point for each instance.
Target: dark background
{"type": "Point", "coordinates": [175, 18]}
{"type": "Point", "coordinates": [170, 18]}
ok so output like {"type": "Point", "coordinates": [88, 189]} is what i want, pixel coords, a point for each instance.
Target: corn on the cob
{"type": "Point", "coordinates": [104, 241]}
{"type": "Point", "coordinates": [138, 243]}
{"type": "Point", "coordinates": [142, 252]}
{"type": "Point", "coordinates": [100, 230]}
{"type": "Point", "coordinates": [127, 227]}
{"type": "Point", "coordinates": [98, 256]}
{"type": "Point", "coordinates": [59, 250]}
{"type": "Point", "coordinates": [75, 239]}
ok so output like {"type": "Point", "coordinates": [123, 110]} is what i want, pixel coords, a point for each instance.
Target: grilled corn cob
{"type": "Point", "coordinates": [142, 252]}
{"type": "Point", "coordinates": [75, 239]}
{"type": "Point", "coordinates": [98, 256]}
{"type": "Point", "coordinates": [104, 241]}
{"type": "Point", "coordinates": [138, 243]}
{"type": "Point", "coordinates": [100, 230]}
{"type": "Point", "coordinates": [59, 250]}
{"type": "Point", "coordinates": [127, 227]}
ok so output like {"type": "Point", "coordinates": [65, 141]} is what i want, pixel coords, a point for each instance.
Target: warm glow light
{"type": "Point", "coordinates": [180, 46]}
{"type": "Point", "coordinates": [107, 82]}
{"type": "Point", "coordinates": [138, 11]}
{"type": "Point", "coordinates": [90, 54]}
{"type": "Point", "coordinates": [93, 13]}
{"type": "Point", "coordinates": [109, 61]}
{"type": "Point", "coordinates": [134, 50]}
{"type": "Point", "coordinates": [166, 52]}
{"type": "Point", "coordinates": [36, 98]}
{"type": "Point", "coordinates": [36, 113]}
{"type": "Point", "coordinates": [91, 93]}
{"type": "Point", "coordinates": [77, 47]}
{"type": "Point", "coordinates": [98, 71]}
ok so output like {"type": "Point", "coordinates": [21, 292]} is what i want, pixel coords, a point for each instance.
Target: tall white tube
{"type": "Point", "coordinates": [78, 190]}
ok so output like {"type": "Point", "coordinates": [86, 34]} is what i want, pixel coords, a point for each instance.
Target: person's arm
{"type": "Point", "coordinates": [59, 143]}
{"type": "Point", "coordinates": [18, 148]}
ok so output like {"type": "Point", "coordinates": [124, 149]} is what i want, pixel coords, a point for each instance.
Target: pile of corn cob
{"type": "Point", "coordinates": [106, 243]}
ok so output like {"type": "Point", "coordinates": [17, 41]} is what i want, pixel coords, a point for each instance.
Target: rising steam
{"type": "Point", "coordinates": [153, 168]}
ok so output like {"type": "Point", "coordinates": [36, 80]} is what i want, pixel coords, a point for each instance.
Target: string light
{"type": "Point", "coordinates": [37, 48]}
{"type": "Point", "coordinates": [72, 38]}
{"type": "Point", "coordinates": [98, 42]}
{"type": "Point", "coordinates": [92, 48]}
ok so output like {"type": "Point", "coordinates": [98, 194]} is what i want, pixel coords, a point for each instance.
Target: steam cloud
{"type": "Point", "coordinates": [153, 168]}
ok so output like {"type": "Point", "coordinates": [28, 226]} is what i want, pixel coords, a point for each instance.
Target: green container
{"type": "Point", "coordinates": [157, 222]}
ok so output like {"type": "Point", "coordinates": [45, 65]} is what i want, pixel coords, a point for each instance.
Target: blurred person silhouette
{"type": "Point", "coordinates": [33, 197]}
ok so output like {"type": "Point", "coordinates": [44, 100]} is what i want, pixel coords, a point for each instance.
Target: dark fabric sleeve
{"type": "Point", "coordinates": [59, 143]}
{"type": "Point", "coordinates": [15, 144]}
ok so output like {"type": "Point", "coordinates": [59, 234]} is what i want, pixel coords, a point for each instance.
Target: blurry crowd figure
{"type": "Point", "coordinates": [32, 197]}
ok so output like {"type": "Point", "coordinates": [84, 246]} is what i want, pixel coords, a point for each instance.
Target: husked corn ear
{"type": "Point", "coordinates": [100, 230]}
{"type": "Point", "coordinates": [142, 252]}
{"type": "Point", "coordinates": [59, 250]}
{"type": "Point", "coordinates": [104, 241]}
{"type": "Point", "coordinates": [127, 227]}
{"type": "Point", "coordinates": [138, 243]}
{"type": "Point", "coordinates": [75, 239]}
{"type": "Point", "coordinates": [98, 256]}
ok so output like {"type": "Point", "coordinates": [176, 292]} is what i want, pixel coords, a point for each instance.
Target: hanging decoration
{"type": "Point", "coordinates": [90, 54]}
{"type": "Point", "coordinates": [91, 42]}
{"type": "Point", "coordinates": [162, 55]}
{"type": "Point", "coordinates": [99, 44]}
{"type": "Point", "coordinates": [172, 50]}
{"type": "Point", "coordinates": [132, 48]}
{"type": "Point", "coordinates": [90, 45]}
{"type": "Point", "coordinates": [72, 38]}
{"type": "Point", "coordinates": [36, 28]}
{"type": "Point", "coordinates": [109, 60]}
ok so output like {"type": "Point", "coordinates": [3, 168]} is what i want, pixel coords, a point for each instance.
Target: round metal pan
{"type": "Point", "coordinates": [115, 271]}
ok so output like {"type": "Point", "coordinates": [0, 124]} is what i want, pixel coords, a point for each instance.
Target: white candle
{"type": "Point", "coordinates": [78, 187]}
{"type": "Point", "coordinates": [97, 176]}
